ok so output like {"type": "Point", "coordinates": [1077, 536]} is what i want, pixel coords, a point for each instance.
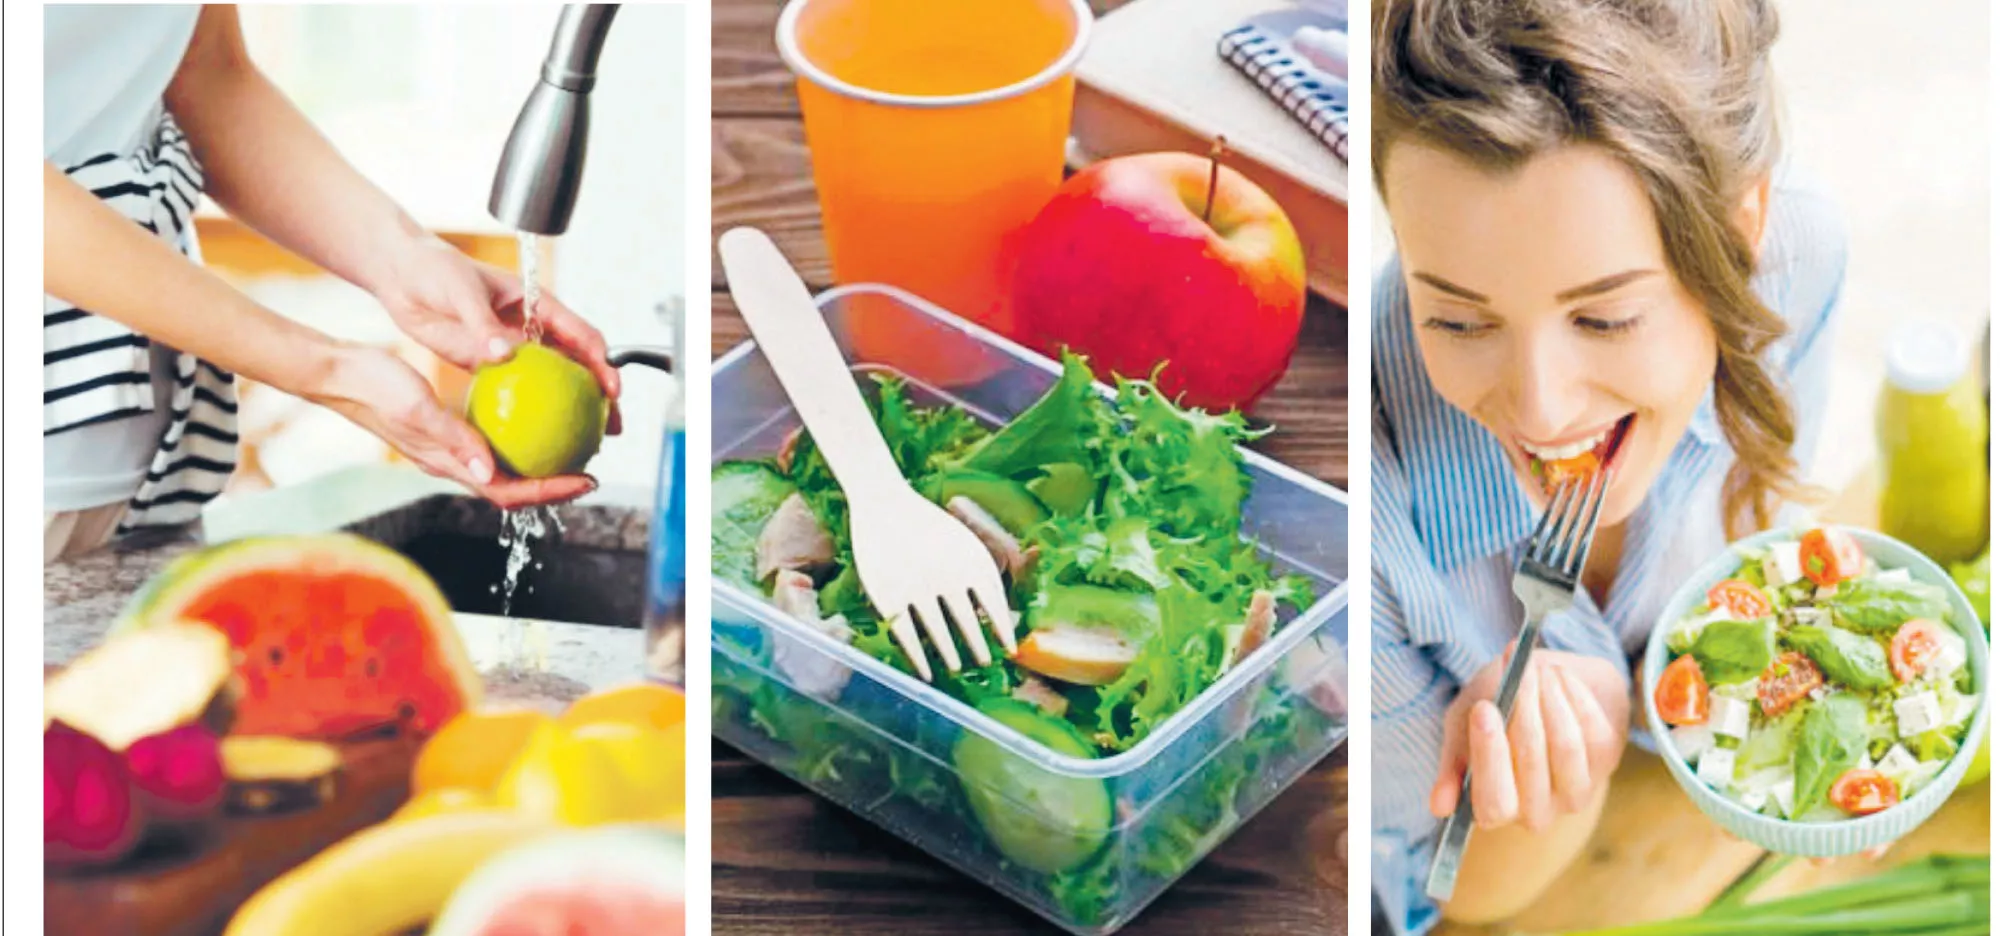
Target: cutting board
{"type": "Point", "coordinates": [192, 886]}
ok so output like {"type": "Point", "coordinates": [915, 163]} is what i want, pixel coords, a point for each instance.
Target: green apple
{"type": "Point", "coordinates": [543, 413]}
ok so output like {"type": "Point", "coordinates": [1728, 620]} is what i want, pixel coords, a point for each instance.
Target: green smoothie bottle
{"type": "Point", "coordinates": [1933, 440]}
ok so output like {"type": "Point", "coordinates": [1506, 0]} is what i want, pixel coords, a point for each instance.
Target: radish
{"type": "Point", "coordinates": [90, 817]}
{"type": "Point", "coordinates": [178, 773]}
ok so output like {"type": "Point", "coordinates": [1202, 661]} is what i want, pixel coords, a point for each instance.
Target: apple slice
{"type": "Point", "coordinates": [1260, 615]}
{"type": "Point", "coordinates": [1087, 656]}
{"type": "Point", "coordinates": [145, 682]}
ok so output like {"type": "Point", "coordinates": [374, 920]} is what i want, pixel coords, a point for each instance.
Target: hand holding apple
{"type": "Point", "coordinates": [1123, 267]}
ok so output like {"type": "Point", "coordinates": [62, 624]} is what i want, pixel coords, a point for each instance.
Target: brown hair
{"type": "Point", "coordinates": [1678, 90]}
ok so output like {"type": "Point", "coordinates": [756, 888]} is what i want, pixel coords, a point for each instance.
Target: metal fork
{"type": "Point", "coordinates": [914, 558]}
{"type": "Point", "coordinates": [1546, 579]}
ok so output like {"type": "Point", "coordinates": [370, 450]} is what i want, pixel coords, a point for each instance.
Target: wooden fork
{"type": "Point", "coordinates": [914, 558]}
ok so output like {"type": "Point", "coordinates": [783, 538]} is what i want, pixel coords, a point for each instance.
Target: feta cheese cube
{"type": "Point", "coordinates": [1715, 767]}
{"type": "Point", "coordinates": [1753, 799]}
{"type": "Point", "coordinates": [1782, 564]}
{"type": "Point", "coordinates": [1897, 761]}
{"type": "Point", "coordinates": [1918, 714]}
{"type": "Point", "coordinates": [1730, 717]}
{"type": "Point", "coordinates": [1783, 796]}
{"type": "Point", "coordinates": [1825, 592]}
{"type": "Point", "coordinates": [1895, 575]}
{"type": "Point", "coordinates": [1692, 741]}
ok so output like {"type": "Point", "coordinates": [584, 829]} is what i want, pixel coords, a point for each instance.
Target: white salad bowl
{"type": "Point", "coordinates": [1827, 839]}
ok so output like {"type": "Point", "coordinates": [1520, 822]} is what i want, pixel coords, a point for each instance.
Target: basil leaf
{"type": "Point", "coordinates": [1851, 659]}
{"type": "Point", "coordinates": [1832, 738]}
{"type": "Point", "coordinates": [1877, 606]}
{"type": "Point", "coordinates": [1734, 651]}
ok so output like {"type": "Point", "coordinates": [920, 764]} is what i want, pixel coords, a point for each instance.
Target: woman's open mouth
{"type": "Point", "coordinates": [1579, 458]}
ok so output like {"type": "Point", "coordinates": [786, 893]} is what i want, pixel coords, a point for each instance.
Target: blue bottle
{"type": "Point", "coordinates": [667, 549]}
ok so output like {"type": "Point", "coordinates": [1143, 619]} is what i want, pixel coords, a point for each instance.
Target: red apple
{"type": "Point", "coordinates": [1123, 267]}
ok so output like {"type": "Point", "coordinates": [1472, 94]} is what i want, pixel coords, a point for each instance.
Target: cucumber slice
{"type": "Point", "coordinates": [1037, 819]}
{"type": "Point", "coordinates": [1066, 488]}
{"type": "Point", "coordinates": [1009, 502]}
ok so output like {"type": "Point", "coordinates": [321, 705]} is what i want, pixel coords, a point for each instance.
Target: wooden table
{"type": "Point", "coordinates": [786, 862]}
{"type": "Point", "coordinates": [1655, 857]}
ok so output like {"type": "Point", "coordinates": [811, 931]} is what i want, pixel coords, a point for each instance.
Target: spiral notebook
{"type": "Point", "coordinates": [1266, 49]}
{"type": "Point", "coordinates": [1152, 80]}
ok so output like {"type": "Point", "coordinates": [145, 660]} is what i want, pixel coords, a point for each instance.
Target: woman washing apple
{"type": "Point", "coordinates": [1600, 254]}
{"type": "Point", "coordinates": [146, 109]}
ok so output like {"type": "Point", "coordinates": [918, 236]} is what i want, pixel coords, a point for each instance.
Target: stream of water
{"type": "Point", "coordinates": [527, 644]}
{"type": "Point", "coordinates": [531, 263]}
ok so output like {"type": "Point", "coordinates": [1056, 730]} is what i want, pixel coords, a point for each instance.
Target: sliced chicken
{"type": "Point", "coordinates": [1087, 656]}
{"type": "Point", "coordinates": [1259, 619]}
{"type": "Point", "coordinates": [811, 671]}
{"type": "Point", "coordinates": [793, 593]}
{"type": "Point", "coordinates": [793, 539]}
{"type": "Point", "coordinates": [1039, 693]}
{"type": "Point", "coordinates": [1002, 545]}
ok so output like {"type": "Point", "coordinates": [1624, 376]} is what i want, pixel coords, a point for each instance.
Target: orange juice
{"type": "Point", "coordinates": [936, 131]}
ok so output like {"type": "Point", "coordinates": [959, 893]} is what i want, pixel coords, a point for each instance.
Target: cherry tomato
{"type": "Point", "coordinates": [1581, 465]}
{"type": "Point", "coordinates": [1681, 695]}
{"type": "Point", "coordinates": [1744, 599]}
{"type": "Point", "coordinates": [1915, 645]}
{"type": "Point", "coordinates": [1788, 679]}
{"type": "Point", "coordinates": [1862, 792]}
{"type": "Point", "coordinates": [1829, 556]}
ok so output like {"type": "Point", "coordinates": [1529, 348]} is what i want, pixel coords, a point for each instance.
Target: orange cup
{"type": "Point", "coordinates": [937, 131]}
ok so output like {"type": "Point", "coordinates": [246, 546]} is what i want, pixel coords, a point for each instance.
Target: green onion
{"type": "Point", "coordinates": [1942, 895]}
{"type": "Point", "coordinates": [1773, 863]}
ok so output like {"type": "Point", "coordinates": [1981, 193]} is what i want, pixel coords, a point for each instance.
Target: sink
{"type": "Point", "coordinates": [593, 572]}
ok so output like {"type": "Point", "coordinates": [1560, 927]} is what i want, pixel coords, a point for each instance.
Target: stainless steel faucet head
{"type": "Point", "coordinates": [535, 186]}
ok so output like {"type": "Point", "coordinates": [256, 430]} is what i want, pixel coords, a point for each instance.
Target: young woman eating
{"type": "Point", "coordinates": [1601, 261]}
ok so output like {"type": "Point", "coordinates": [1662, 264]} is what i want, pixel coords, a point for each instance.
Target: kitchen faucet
{"type": "Point", "coordinates": [535, 186]}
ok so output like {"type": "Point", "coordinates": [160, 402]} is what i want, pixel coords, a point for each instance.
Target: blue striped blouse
{"type": "Point", "coordinates": [1448, 522]}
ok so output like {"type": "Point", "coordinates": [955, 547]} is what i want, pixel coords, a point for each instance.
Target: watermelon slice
{"type": "Point", "coordinates": [332, 634]}
{"type": "Point", "coordinates": [608, 880]}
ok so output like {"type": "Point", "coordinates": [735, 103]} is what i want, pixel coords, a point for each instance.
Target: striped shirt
{"type": "Point", "coordinates": [1448, 522]}
{"type": "Point", "coordinates": [123, 417]}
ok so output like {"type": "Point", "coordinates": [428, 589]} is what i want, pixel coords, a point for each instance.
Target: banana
{"type": "Point", "coordinates": [385, 879]}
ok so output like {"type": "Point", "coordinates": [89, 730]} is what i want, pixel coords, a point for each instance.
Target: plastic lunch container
{"type": "Point", "coordinates": [879, 741]}
{"type": "Point", "coordinates": [1849, 836]}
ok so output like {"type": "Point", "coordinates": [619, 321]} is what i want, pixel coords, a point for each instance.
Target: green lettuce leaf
{"type": "Point", "coordinates": [1060, 427]}
{"type": "Point", "coordinates": [743, 495]}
